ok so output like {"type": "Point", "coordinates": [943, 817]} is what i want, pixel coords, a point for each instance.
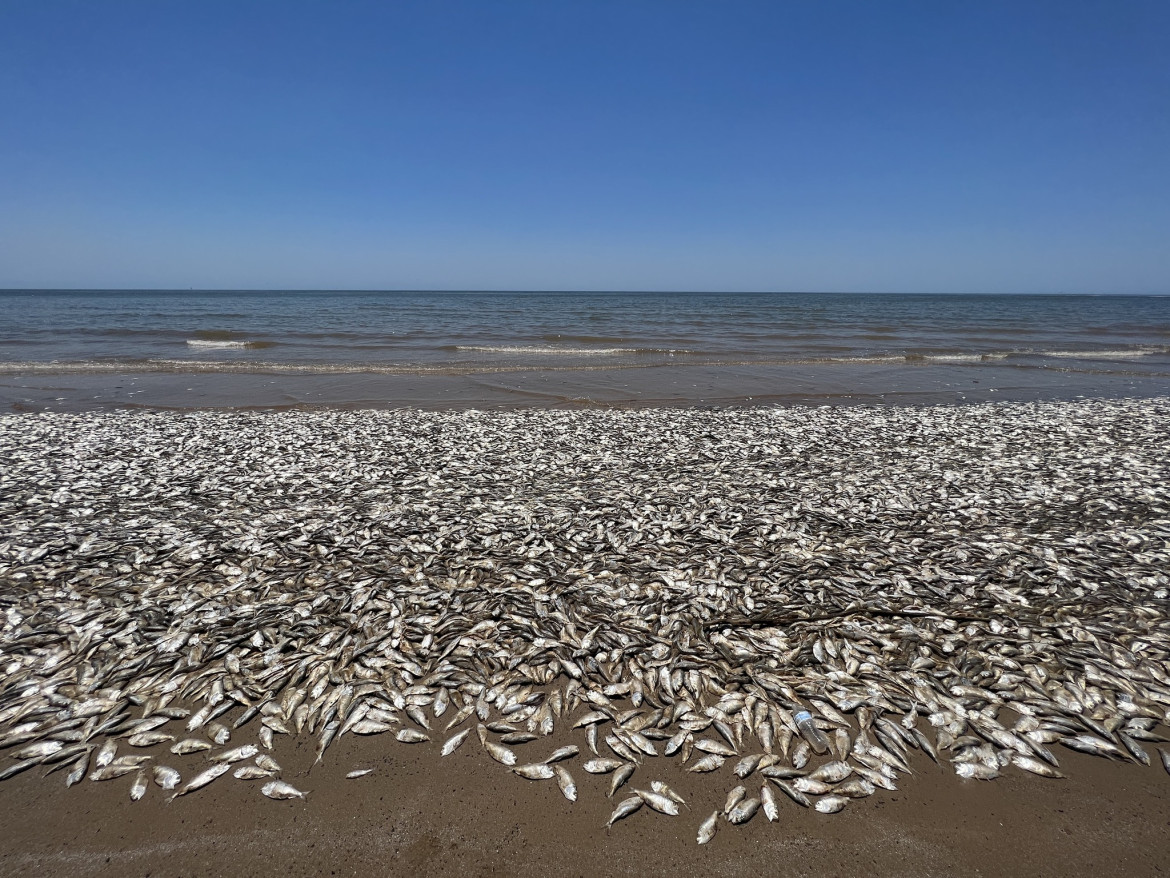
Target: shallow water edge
{"type": "Point", "coordinates": [676, 386]}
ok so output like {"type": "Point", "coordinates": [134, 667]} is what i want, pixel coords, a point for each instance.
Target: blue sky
{"type": "Point", "coordinates": [886, 146]}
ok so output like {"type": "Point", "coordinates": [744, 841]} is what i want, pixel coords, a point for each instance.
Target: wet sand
{"type": "Point", "coordinates": [836, 384]}
{"type": "Point", "coordinates": [421, 815]}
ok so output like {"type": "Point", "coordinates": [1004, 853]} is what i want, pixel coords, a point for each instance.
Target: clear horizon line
{"type": "Point", "coordinates": [564, 291]}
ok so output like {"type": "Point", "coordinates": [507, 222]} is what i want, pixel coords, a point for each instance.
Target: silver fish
{"type": "Point", "coordinates": [602, 766]}
{"type": "Point", "coordinates": [624, 809]}
{"type": "Point", "coordinates": [620, 776]}
{"type": "Point", "coordinates": [534, 771]}
{"type": "Point", "coordinates": [768, 802]}
{"type": "Point", "coordinates": [203, 779]}
{"type": "Point", "coordinates": [831, 804]}
{"type": "Point", "coordinates": [454, 742]}
{"type": "Point", "coordinates": [659, 802]}
{"type": "Point", "coordinates": [138, 788]}
{"type": "Point", "coordinates": [565, 781]}
{"type": "Point", "coordinates": [708, 827]}
{"type": "Point", "coordinates": [744, 811]}
{"type": "Point", "coordinates": [278, 789]}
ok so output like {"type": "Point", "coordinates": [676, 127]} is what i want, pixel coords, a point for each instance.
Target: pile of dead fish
{"type": "Point", "coordinates": [974, 584]}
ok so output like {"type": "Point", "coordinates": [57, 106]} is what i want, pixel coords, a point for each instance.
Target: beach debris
{"type": "Point", "coordinates": [821, 600]}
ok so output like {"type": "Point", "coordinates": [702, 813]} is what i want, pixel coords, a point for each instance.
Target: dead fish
{"type": "Point", "coordinates": [663, 790]}
{"type": "Point", "coordinates": [203, 779]}
{"type": "Point", "coordinates": [454, 742]}
{"type": "Point", "coordinates": [372, 727]}
{"type": "Point", "coordinates": [111, 771]}
{"type": "Point", "coordinates": [534, 771]}
{"type": "Point", "coordinates": [708, 827]}
{"type": "Point", "coordinates": [138, 788]}
{"type": "Point", "coordinates": [811, 787]}
{"type": "Point", "coordinates": [80, 767]}
{"type": "Point", "coordinates": [565, 782]}
{"type": "Point", "coordinates": [659, 802]}
{"type": "Point", "coordinates": [792, 793]}
{"type": "Point", "coordinates": [502, 755]}
{"type": "Point", "coordinates": [361, 772]}
{"type": "Point", "coordinates": [190, 745]}
{"type": "Point", "coordinates": [412, 736]}
{"type": "Point", "coordinates": [417, 714]}
{"type": "Point", "coordinates": [768, 802]}
{"type": "Point", "coordinates": [251, 772]}
{"type": "Point", "coordinates": [831, 804]}
{"type": "Point", "coordinates": [218, 733]}
{"type": "Point", "coordinates": [708, 745]}
{"type": "Point", "coordinates": [857, 788]}
{"type": "Point", "coordinates": [710, 762]}
{"type": "Point", "coordinates": [747, 765]}
{"type": "Point", "coordinates": [267, 762]}
{"type": "Point", "coordinates": [236, 754]}
{"type": "Point", "coordinates": [1093, 746]}
{"type": "Point", "coordinates": [602, 765]}
{"type": "Point", "coordinates": [106, 754]}
{"type": "Point", "coordinates": [563, 753]}
{"type": "Point", "coordinates": [831, 772]}
{"type": "Point", "coordinates": [592, 718]}
{"type": "Point", "coordinates": [1165, 754]}
{"type": "Point", "coordinates": [148, 739]}
{"type": "Point", "coordinates": [976, 770]}
{"type": "Point", "coordinates": [620, 776]}
{"type": "Point", "coordinates": [624, 809]}
{"type": "Point", "coordinates": [734, 797]}
{"type": "Point", "coordinates": [460, 717]}
{"type": "Point", "coordinates": [782, 772]}
{"type": "Point", "coordinates": [166, 777]}
{"type": "Point", "coordinates": [744, 811]}
{"type": "Point", "coordinates": [1035, 766]}
{"type": "Point", "coordinates": [24, 765]}
{"type": "Point", "coordinates": [278, 789]}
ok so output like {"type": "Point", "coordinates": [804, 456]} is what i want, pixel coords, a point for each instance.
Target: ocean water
{"type": "Point", "coordinates": [491, 330]}
{"type": "Point", "coordinates": [611, 347]}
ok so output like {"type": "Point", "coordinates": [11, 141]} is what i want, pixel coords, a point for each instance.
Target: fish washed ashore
{"type": "Point", "coordinates": [712, 617]}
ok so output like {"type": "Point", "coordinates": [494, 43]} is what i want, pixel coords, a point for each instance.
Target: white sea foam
{"type": "Point", "coordinates": [545, 350]}
{"type": "Point", "coordinates": [957, 358]}
{"type": "Point", "coordinates": [1103, 355]}
{"type": "Point", "coordinates": [208, 343]}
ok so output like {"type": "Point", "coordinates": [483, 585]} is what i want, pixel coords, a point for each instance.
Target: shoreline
{"type": "Point", "coordinates": [674, 386]}
{"type": "Point", "coordinates": [981, 582]}
{"type": "Point", "coordinates": [423, 815]}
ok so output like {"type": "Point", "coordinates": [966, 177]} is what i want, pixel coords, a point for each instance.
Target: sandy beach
{"type": "Point", "coordinates": [977, 582]}
{"type": "Point", "coordinates": [418, 814]}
